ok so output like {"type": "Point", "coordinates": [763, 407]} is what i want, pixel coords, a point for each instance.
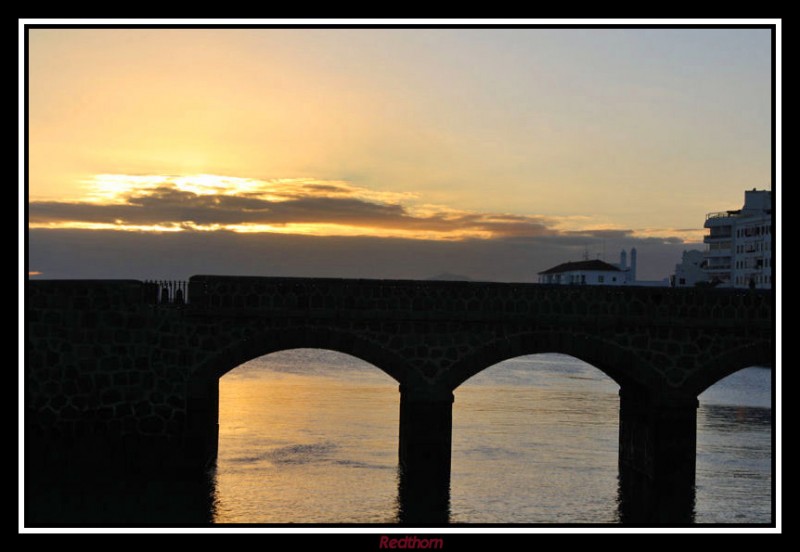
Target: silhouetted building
{"type": "Point", "coordinates": [630, 271]}
{"type": "Point", "coordinates": [691, 270]}
{"type": "Point", "coordinates": [594, 272]}
{"type": "Point", "coordinates": [739, 243]}
{"type": "Point", "coordinates": [598, 273]}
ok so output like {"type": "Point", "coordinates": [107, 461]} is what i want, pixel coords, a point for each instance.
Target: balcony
{"type": "Point", "coordinates": [720, 245]}
{"type": "Point", "coordinates": [719, 232]}
{"type": "Point", "coordinates": [718, 224]}
{"type": "Point", "coordinates": [723, 214]}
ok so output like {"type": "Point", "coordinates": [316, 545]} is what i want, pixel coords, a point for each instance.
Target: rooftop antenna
{"type": "Point", "coordinates": [585, 252]}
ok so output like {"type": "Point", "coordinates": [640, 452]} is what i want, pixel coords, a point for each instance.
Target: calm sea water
{"type": "Point", "coordinates": [310, 436]}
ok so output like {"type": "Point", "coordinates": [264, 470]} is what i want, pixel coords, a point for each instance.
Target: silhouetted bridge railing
{"type": "Point", "coordinates": [166, 292]}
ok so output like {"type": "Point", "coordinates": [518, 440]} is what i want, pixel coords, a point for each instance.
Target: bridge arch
{"type": "Point", "coordinates": [202, 400]}
{"type": "Point", "coordinates": [241, 350]}
{"type": "Point", "coordinates": [725, 364]}
{"type": "Point", "coordinates": [285, 430]}
{"type": "Point", "coordinates": [622, 365]}
{"type": "Point", "coordinates": [523, 420]}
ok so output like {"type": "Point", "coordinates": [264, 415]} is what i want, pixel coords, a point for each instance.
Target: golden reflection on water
{"type": "Point", "coordinates": [310, 436]}
{"type": "Point", "coordinates": [527, 454]}
{"type": "Point", "coordinates": [298, 448]}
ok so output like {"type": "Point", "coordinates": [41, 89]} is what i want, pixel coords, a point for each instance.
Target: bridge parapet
{"type": "Point", "coordinates": [411, 299]}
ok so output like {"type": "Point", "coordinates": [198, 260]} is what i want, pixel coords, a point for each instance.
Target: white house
{"type": "Point", "coordinates": [598, 273]}
{"type": "Point", "coordinates": [691, 269]}
{"type": "Point", "coordinates": [587, 272]}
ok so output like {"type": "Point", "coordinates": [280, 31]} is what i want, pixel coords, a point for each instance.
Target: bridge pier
{"type": "Point", "coordinates": [201, 438]}
{"type": "Point", "coordinates": [657, 456]}
{"type": "Point", "coordinates": [426, 427]}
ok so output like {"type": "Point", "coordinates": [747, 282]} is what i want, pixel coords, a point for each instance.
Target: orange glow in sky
{"type": "Point", "coordinates": [429, 133]}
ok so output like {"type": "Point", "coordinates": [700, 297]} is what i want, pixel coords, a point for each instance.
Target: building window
{"type": "Point", "coordinates": [601, 279]}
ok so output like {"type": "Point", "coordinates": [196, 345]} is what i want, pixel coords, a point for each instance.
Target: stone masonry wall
{"type": "Point", "coordinates": [98, 367]}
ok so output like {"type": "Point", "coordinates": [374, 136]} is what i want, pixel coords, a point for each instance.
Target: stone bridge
{"type": "Point", "coordinates": [112, 376]}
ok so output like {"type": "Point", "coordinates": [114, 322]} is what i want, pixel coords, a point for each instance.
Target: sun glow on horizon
{"type": "Point", "coordinates": [305, 229]}
{"type": "Point", "coordinates": [79, 225]}
{"type": "Point", "coordinates": [116, 188]}
{"type": "Point", "coordinates": [344, 230]}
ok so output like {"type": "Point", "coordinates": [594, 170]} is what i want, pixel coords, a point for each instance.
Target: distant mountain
{"type": "Point", "coordinates": [450, 277]}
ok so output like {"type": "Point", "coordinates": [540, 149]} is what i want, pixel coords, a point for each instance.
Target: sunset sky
{"type": "Point", "coordinates": [490, 153]}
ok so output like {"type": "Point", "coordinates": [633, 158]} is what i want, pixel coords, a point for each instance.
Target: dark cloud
{"type": "Point", "coordinates": [167, 205]}
{"type": "Point", "coordinates": [174, 207]}
{"type": "Point", "coordinates": [581, 235]}
{"type": "Point", "coordinates": [58, 253]}
{"type": "Point", "coordinates": [672, 240]}
{"type": "Point", "coordinates": [604, 233]}
{"type": "Point", "coordinates": [328, 188]}
{"type": "Point", "coordinates": [52, 211]}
